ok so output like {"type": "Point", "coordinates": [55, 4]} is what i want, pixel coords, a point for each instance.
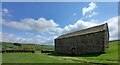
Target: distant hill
{"type": "Point", "coordinates": [114, 40]}
{"type": "Point", "coordinates": [11, 46]}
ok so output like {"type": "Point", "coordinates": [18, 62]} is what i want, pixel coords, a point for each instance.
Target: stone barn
{"type": "Point", "coordinates": [90, 40]}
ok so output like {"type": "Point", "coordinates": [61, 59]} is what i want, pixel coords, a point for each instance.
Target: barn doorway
{"type": "Point", "coordinates": [73, 51]}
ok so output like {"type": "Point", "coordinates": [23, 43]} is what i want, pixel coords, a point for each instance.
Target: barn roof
{"type": "Point", "coordinates": [85, 31]}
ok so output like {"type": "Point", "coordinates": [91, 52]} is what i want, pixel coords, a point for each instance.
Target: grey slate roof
{"type": "Point", "coordinates": [85, 31]}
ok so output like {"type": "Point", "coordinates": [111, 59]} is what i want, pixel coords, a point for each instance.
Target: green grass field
{"type": "Point", "coordinates": [110, 57]}
{"type": "Point", "coordinates": [9, 45]}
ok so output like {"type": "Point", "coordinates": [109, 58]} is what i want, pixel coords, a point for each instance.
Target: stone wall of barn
{"type": "Point", "coordinates": [81, 44]}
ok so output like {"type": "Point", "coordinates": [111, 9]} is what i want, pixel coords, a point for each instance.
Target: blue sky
{"type": "Point", "coordinates": [60, 12]}
{"type": "Point", "coordinates": [51, 19]}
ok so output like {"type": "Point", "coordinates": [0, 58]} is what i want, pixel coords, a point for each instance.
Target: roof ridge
{"type": "Point", "coordinates": [85, 31]}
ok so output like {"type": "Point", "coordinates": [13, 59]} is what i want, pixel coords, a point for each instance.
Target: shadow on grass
{"type": "Point", "coordinates": [81, 55]}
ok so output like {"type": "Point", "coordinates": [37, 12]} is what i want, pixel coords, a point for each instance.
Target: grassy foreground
{"type": "Point", "coordinates": [29, 58]}
{"type": "Point", "coordinates": [110, 57]}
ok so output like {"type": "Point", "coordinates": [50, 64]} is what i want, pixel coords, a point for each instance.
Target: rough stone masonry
{"type": "Point", "coordinates": [90, 40]}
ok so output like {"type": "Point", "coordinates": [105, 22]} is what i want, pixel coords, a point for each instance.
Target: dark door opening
{"type": "Point", "coordinates": [73, 51]}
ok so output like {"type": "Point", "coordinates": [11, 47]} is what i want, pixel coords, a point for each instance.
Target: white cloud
{"type": "Point", "coordinates": [5, 37]}
{"type": "Point", "coordinates": [5, 12]}
{"type": "Point", "coordinates": [80, 24]}
{"type": "Point", "coordinates": [113, 27]}
{"type": "Point", "coordinates": [92, 14]}
{"type": "Point", "coordinates": [17, 25]}
{"type": "Point", "coordinates": [89, 12]}
{"type": "Point", "coordinates": [46, 40]}
{"type": "Point", "coordinates": [8, 37]}
{"type": "Point", "coordinates": [91, 7]}
{"type": "Point", "coordinates": [41, 25]}
{"type": "Point", "coordinates": [38, 39]}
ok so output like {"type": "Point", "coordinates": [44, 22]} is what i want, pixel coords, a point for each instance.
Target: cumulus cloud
{"type": "Point", "coordinates": [80, 24]}
{"type": "Point", "coordinates": [113, 27]}
{"type": "Point", "coordinates": [17, 25]}
{"type": "Point", "coordinates": [92, 14]}
{"type": "Point", "coordinates": [89, 12]}
{"type": "Point", "coordinates": [38, 39]}
{"type": "Point", "coordinates": [46, 40]}
{"type": "Point", "coordinates": [11, 38]}
{"type": "Point", "coordinates": [91, 7]}
{"type": "Point", "coordinates": [5, 12]}
{"type": "Point", "coordinates": [41, 25]}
